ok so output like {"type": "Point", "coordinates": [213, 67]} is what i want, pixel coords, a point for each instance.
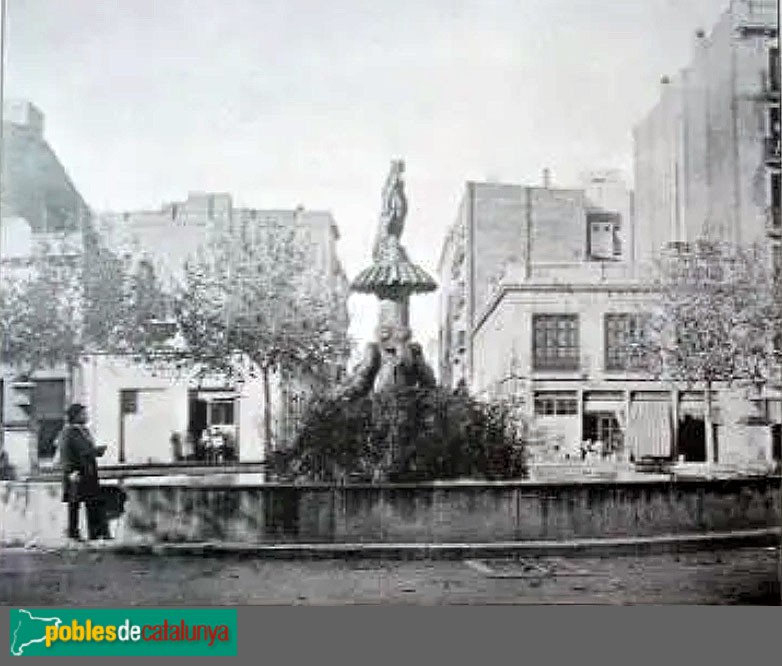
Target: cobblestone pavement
{"type": "Point", "coordinates": [84, 578]}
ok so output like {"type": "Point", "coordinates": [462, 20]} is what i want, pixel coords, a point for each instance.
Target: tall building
{"type": "Point", "coordinates": [35, 185]}
{"type": "Point", "coordinates": [542, 230]}
{"type": "Point", "coordinates": [541, 300]}
{"type": "Point", "coordinates": [707, 156]}
{"type": "Point", "coordinates": [174, 233]}
{"type": "Point", "coordinates": [39, 205]}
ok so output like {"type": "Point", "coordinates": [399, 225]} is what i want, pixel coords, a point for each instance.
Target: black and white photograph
{"type": "Point", "coordinates": [434, 302]}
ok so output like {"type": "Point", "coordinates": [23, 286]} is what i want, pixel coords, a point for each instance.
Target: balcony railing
{"type": "Point", "coordinates": [547, 364]}
{"type": "Point", "coordinates": [772, 152]}
{"type": "Point", "coordinates": [774, 220]}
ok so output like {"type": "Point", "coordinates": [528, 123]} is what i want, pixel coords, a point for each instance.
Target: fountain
{"type": "Point", "coordinates": [394, 361]}
{"type": "Point", "coordinates": [390, 421]}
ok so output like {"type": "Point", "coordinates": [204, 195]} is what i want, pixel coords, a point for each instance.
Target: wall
{"type": "Point", "coordinates": [698, 153]}
{"type": "Point", "coordinates": [446, 512]}
{"type": "Point", "coordinates": [162, 409]}
{"type": "Point", "coordinates": [453, 272]}
{"type": "Point", "coordinates": [503, 350]}
{"type": "Point", "coordinates": [503, 228]}
{"type": "Point", "coordinates": [496, 238]}
{"type": "Point", "coordinates": [501, 216]}
{"type": "Point", "coordinates": [507, 329]}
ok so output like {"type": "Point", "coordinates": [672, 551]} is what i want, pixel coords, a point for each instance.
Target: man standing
{"type": "Point", "coordinates": [79, 456]}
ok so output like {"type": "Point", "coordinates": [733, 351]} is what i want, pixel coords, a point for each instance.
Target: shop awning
{"type": "Point", "coordinates": [212, 396]}
{"type": "Point", "coordinates": [603, 402]}
{"type": "Point", "coordinates": [649, 429]}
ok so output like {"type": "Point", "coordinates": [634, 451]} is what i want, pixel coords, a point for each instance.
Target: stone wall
{"type": "Point", "coordinates": [423, 513]}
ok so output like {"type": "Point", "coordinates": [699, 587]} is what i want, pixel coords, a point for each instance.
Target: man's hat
{"type": "Point", "coordinates": [74, 410]}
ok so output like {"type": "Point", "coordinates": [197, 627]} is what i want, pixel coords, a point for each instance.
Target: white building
{"type": "Point", "coordinates": [135, 411]}
{"type": "Point", "coordinates": [541, 295]}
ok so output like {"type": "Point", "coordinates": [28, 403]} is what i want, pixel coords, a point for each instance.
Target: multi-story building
{"type": "Point", "coordinates": [707, 156]}
{"type": "Point", "coordinates": [541, 298]}
{"type": "Point", "coordinates": [39, 206]}
{"type": "Point", "coordinates": [541, 228]}
{"type": "Point", "coordinates": [35, 185]}
{"type": "Point", "coordinates": [137, 410]}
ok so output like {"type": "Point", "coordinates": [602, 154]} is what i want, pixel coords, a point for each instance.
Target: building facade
{"type": "Point", "coordinates": [550, 299]}
{"type": "Point", "coordinates": [40, 206]}
{"type": "Point", "coordinates": [537, 229]}
{"type": "Point", "coordinates": [35, 184]}
{"type": "Point", "coordinates": [136, 411]}
{"type": "Point", "coordinates": [707, 156]}
{"type": "Point", "coordinates": [143, 415]}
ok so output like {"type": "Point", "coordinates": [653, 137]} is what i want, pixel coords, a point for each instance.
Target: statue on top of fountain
{"type": "Point", "coordinates": [393, 362]}
{"type": "Point", "coordinates": [393, 209]}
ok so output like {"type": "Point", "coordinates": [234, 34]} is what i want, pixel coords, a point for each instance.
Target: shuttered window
{"type": "Point", "coordinates": [555, 343]}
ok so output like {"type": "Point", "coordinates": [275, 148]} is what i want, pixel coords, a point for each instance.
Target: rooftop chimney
{"type": "Point", "coordinates": [24, 113]}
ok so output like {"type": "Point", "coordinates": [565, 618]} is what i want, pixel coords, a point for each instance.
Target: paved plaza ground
{"type": "Point", "coordinates": [94, 578]}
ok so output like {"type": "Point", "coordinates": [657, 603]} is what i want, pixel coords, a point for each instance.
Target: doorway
{"type": "Point", "coordinates": [197, 422]}
{"type": "Point", "coordinates": [604, 431]}
{"type": "Point", "coordinates": [692, 439]}
{"type": "Point", "coordinates": [213, 432]}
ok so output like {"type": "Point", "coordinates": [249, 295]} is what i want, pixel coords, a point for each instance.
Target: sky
{"type": "Point", "coordinates": [288, 102]}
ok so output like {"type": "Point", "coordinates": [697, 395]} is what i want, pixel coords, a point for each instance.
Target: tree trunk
{"type": "Point", "coordinates": [69, 384]}
{"type": "Point", "coordinates": [709, 424]}
{"type": "Point", "coordinates": [267, 412]}
{"type": "Point", "coordinates": [33, 446]}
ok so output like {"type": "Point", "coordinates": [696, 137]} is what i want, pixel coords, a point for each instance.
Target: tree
{"type": "Point", "coordinates": [716, 322]}
{"type": "Point", "coordinates": [70, 301]}
{"type": "Point", "coordinates": [257, 308]}
{"type": "Point", "coordinates": [40, 319]}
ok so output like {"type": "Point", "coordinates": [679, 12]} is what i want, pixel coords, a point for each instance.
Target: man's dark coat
{"type": "Point", "coordinates": [79, 454]}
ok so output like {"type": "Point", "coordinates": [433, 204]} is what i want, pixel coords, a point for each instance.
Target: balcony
{"type": "Point", "coordinates": [771, 95]}
{"type": "Point", "coordinates": [771, 152]}
{"type": "Point", "coordinates": [759, 24]}
{"type": "Point", "coordinates": [774, 221]}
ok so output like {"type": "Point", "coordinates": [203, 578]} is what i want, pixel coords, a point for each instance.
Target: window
{"type": "Point", "coordinates": [49, 398]}
{"type": "Point", "coordinates": [128, 400]}
{"type": "Point", "coordinates": [620, 331]}
{"type": "Point", "coordinates": [603, 242]}
{"type": "Point", "coordinates": [49, 405]}
{"type": "Point", "coordinates": [604, 427]}
{"type": "Point", "coordinates": [555, 342]}
{"type": "Point", "coordinates": [222, 412]}
{"type": "Point", "coordinates": [776, 200]}
{"type": "Point", "coordinates": [556, 403]}
{"type": "Point", "coordinates": [773, 69]}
